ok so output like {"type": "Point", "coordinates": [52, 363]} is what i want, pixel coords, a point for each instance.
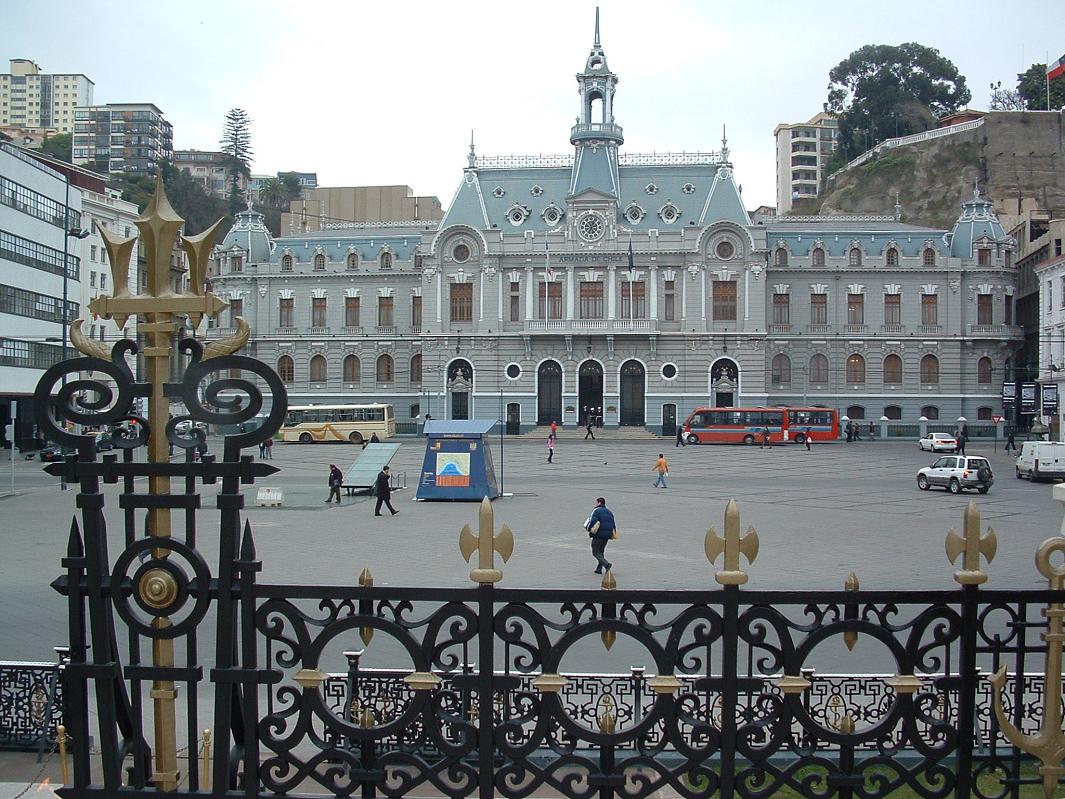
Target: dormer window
{"type": "Point", "coordinates": [818, 257]}
{"type": "Point", "coordinates": [651, 188]}
{"type": "Point", "coordinates": [634, 213]}
{"type": "Point", "coordinates": [780, 257]}
{"type": "Point", "coordinates": [498, 192]}
{"type": "Point", "coordinates": [517, 214]}
{"type": "Point", "coordinates": [669, 213]}
{"type": "Point", "coordinates": [236, 264]}
{"type": "Point", "coordinates": [688, 188]}
{"type": "Point", "coordinates": [596, 63]}
{"type": "Point", "coordinates": [552, 215]}
{"type": "Point", "coordinates": [386, 260]}
{"type": "Point", "coordinates": [983, 257]}
{"type": "Point", "coordinates": [928, 257]}
{"type": "Point", "coordinates": [353, 261]}
{"type": "Point", "coordinates": [319, 263]}
{"type": "Point", "coordinates": [536, 191]}
{"type": "Point", "coordinates": [286, 263]}
{"type": "Point", "coordinates": [892, 257]}
{"type": "Point", "coordinates": [854, 257]}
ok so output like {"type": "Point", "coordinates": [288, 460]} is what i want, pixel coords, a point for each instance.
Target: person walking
{"type": "Point", "coordinates": [663, 471]}
{"type": "Point", "coordinates": [960, 449]}
{"type": "Point", "coordinates": [850, 431]}
{"type": "Point", "coordinates": [269, 451]}
{"type": "Point", "coordinates": [589, 426]}
{"type": "Point", "coordinates": [554, 427]}
{"type": "Point", "coordinates": [383, 489]}
{"type": "Point", "coordinates": [765, 437]}
{"type": "Point", "coordinates": [680, 437]}
{"type": "Point", "coordinates": [335, 481]}
{"type": "Point", "coordinates": [262, 450]}
{"type": "Point", "coordinates": [1010, 443]}
{"type": "Point", "coordinates": [550, 447]}
{"type": "Point", "coordinates": [806, 439]}
{"type": "Point", "coordinates": [601, 529]}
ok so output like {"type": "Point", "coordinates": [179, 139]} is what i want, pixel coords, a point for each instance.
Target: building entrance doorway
{"type": "Point", "coordinates": [513, 418]}
{"type": "Point", "coordinates": [669, 419]}
{"type": "Point", "coordinates": [632, 394]}
{"type": "Point", "coordinates": [590, 393]}
{"type": "Point", "coordinates": [724, 383]}
{"type": "Point", "coordinates": [460, 386]}
{"type": "Point", "coordinates": [549, 393]}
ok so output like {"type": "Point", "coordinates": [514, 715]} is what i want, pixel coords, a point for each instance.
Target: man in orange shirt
{"type": "Point", "coordinates": [663, 471]}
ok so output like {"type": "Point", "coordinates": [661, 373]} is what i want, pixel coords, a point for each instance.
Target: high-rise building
{"type": "Point", "coordinates": [803, 150]}
{"type": "Point", "coordinates": [31, 99]}
{"type": "Point", "coordinates": [122, 137]}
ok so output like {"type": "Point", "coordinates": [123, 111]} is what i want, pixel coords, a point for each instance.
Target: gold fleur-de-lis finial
{"type": "Point", "coordinates": [486, 543]}
{"type": "Point", "coordinates": [732, 545]}
{"type": "Point", "coordinates": [971, 545]}
{"type": "Point", "coordinates": [1048, 742]}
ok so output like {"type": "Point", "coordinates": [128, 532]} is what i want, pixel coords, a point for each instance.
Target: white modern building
{"type": "Point", "coordinates": [38, 260]}
{"type": "Point", "coordinates": [32, 99]}
{"type": "Point", "coordinates": [803, 151]}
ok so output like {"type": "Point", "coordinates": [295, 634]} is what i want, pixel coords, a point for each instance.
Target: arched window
{"type": "Point", "coordinates": [318, 369]}
{"type": "Point", "coordinates": [929, 370]}
{"type": "Point", "coordinates": [984, 414]}
{"type": "Point", "coordinates": [385, 369]}
{"type": "Point", "coordinates": [319, 263]}
{"type": "Point", "coordinates": [352, 369]}
{"type": "Point", "coordinates": [983, 371]}
{"type": "Point", "coordinates": [818, 257]}
{"type": "Point", "coordinates": [854, 257]}
{"type": "Point", "coordinates": [892, 257]}
{"type": "Point", "coordinates": [930, 412]}
{"type": "Point", "coordinates": [416, 368]}
{"type": "Point", "coordinates": [818, 369]}
{"type": "Point", "coordinates": [285, 369]}
{"type": "Point", "coordinates": [386, 260]}
{"type": "Point", "coordinates": [892, 369]}
{"type": "Point", "coordinates": [353, 261]}
{"type": "Point", "coordinates": [928, 258]}
{"type": "Point", "coordinates": [855, 369]}
{"type": "Point", "coordinates": [855, 412]}
{"type": "Point", "coordinates": [781, 370]}
{"type": "Point", "coordinates": [286, 263]}
{"type": "Point", "coordinates": [780, 258]}
{"type": "Point", "coordinates": [893, 412]}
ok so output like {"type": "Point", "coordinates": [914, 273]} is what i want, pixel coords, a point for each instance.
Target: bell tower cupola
{"type": "Point", "coordinates": [596, 85]}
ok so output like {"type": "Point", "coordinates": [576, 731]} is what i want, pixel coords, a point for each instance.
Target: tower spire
{"type": "Point", "coordinates": [472, 157]}
{"type": "Point", "coordinates": [724, 144]}
{"type": "Point", "coordinates": [597, 27]}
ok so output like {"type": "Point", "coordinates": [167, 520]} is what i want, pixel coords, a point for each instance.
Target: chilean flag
{"type": "Point", "coordinates": [1057, 69]}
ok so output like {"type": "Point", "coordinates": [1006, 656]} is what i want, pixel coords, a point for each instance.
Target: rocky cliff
{"type": "Point", "coordinates": [1018, 157]}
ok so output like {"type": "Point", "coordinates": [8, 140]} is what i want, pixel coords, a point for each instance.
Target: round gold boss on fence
{"type": "Point", "coordinates": [158, 588]}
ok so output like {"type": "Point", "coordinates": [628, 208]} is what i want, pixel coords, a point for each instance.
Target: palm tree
{"type": "Point", "coordinates": [273, 193]}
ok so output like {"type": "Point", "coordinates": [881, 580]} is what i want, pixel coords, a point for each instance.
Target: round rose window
{"type": "Point", "coordinates": [725, 250]}
{"type": "Point", "coordinates": [590, 227]}
{"type": "Point", "coordinates": [461, 253]}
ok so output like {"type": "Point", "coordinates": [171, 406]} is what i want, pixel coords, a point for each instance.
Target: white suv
{"type": "Point", "coordinates": [955, 472]}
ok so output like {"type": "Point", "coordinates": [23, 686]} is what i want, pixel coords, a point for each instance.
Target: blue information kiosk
{"type": "Point", "coordinates": [458, 462]}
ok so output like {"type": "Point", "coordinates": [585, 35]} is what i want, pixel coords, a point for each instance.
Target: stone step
{"type": "Point", "coordinates": [608, 433]}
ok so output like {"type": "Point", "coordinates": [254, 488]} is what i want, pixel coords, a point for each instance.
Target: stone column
{"type": "Point", "coordinates": [611, 291]}
{"type": "Point", "coordinates": [652, 288]}
{"type": "Point", "coordinates": [569, 293]}
{"type": "Point", "coordinates": [530, 295]}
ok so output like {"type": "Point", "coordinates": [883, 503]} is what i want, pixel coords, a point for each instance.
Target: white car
{"type": "Point", "coordinates": [186, 426]}
{"type": "Point", "coordinates": [957, 472]}
{"type": "Point", "coordinates": [938, 442]}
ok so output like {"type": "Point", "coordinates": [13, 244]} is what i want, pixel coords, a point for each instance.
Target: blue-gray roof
{"type": "Point", "coordinates": [977, 221]}
{"type": "Point", "coordinates": [337, 245]}
{"type": "Point", "coordinates": [249, 233]}
{"type": "Point", "coordinates": [836, 237]}
{"type": "Point", "coordinates": [455, 427]}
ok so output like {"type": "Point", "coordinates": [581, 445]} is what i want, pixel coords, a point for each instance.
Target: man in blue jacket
{"type": "Point", "coordinates": [601, 529]}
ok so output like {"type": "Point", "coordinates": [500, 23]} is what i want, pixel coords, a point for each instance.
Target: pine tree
{"type": "Point", "coordinates": [236, 144]}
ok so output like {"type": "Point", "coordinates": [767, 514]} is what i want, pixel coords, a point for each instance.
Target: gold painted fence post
{"type": "Point", "coordinates": [732, 545]}
{"type": "Point", "coordinates": [486, 544]}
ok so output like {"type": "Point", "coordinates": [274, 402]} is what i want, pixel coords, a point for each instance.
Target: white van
{"type": "Point", "coordinates": [1039, 460]}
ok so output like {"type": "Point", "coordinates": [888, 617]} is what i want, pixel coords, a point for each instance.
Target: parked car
{"type": "Point", "coordinates": [104, 443]}
{"type": "Point", "coordinates": [956, 472]}
{"type": "Point", "coordinates": [50, 453]}
{"type": "Point", "coordinates": [1041, 460]}
{"type": "Point", "coordinates": [186, 426]}
{"type": "Point", "coordinates": [938, 442]}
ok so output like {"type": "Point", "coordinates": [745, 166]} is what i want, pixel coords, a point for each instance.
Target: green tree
{"type": "Point", "coordinates": [59, 146]}
{"type": "Point", "coordinates": [1005, 99]}
{"type": "Point", "coordinates": [273, 193]}
{"type": "Point", "coordinates": [199, 209]}
{"type": "Point", "coordinates": [880, 89]}
{"type": "Point", "coordinates": [293, 189]}
{"type": "Point", "coordinates": [236, 144]}
{"type": "Point", "coordinates": [1032, 86]}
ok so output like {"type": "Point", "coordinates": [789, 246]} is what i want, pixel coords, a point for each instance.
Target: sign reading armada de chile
{"type": "Point", "coordinates": [592, 257]}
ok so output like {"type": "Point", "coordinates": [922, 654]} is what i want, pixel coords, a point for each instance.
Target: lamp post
{"type": "Point", "coordinates": [77, 233]}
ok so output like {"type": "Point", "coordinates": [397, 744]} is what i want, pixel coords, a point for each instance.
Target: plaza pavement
{"type": "Point", "coordinates": [819, 515]}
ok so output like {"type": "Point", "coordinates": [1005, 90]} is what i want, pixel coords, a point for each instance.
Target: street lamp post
{"type": "Point", "coordinates": [78, 233]}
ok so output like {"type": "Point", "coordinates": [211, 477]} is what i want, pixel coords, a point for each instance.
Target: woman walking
{"type": "Point", "coordinates": [550, 447]}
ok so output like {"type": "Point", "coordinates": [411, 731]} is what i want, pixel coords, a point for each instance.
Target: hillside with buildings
{"type": "Point", "coordinates": [1017, 157]}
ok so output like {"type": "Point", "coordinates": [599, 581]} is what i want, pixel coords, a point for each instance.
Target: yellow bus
{"type": "Point", "coordinates": [315, 424]}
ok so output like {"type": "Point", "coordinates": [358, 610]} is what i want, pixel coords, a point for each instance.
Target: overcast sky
{"type": "Point", "coordinates": [387, 92]}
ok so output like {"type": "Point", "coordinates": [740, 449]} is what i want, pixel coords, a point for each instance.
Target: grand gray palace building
{"type": "Point", "coordinates": [634, 284]}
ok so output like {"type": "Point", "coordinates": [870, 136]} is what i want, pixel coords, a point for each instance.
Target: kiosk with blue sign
{"type": "Point", "coordinates": [458, 462]}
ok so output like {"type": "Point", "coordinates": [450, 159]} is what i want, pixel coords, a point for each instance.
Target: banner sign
{"type": "Point", "coordinates": [1028, 396]}
{"type": "Point", "coordinates": [1009, 393]}
{"type": "Point", "coordinates": [1050, 399]}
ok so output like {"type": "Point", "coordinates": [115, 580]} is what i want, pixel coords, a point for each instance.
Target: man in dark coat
{"type": "Point", "coordinates": [383, 489]}
{"type": "Point", "coordinates": [336, 479]}
{"type": "Point", "coordinates": [601, 529]}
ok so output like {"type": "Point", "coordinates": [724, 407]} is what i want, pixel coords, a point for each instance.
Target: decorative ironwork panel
{"type": "Point", "coordinates": [31, 704]}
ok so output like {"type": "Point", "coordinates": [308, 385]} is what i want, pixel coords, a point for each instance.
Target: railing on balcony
{"type": "Point", "coordinates": [819, 329]}
{"type": "Point", "coordinates": [894, 330]}
{"type": "Point", "coordinates": [930, 330]}
{"type": "Point", "coordinates": [592, 325]}
{"type": "Point", "coordinates": [780, 328]}
{"type": "Point", "coordinates": [386, 330]}
{"type": "Point", "coordinates": [285, 331]}
{"type": "Point", "coordinates": [352, 330]}
{"type": "Point", "coordinates": [855, 329]}
{"type": "Point", "coordinates": [595, 130]}
{"type": "Point", "coordinates": [318, 331]}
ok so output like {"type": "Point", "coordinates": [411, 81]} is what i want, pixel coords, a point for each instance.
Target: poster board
{"type": "Point", "coordinates": [458, 461]}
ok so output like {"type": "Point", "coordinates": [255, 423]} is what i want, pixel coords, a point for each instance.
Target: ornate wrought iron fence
{"type": "Point", "coordinates": [484, 706]}
{"type": "Point", "coordinates": [31, 704]}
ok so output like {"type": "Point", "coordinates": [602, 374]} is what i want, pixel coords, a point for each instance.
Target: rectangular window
{"type": "Point", "coordinates": [39, 256]}
{"type": "Point", "coordinates": [1008, 307]}
{"type": "Point", "coordinates": [318, 312]}
{"type": "Point", "coordinates": [236, 264]}
{"type": "Point", "coordinates": [236, 308]}
{"type": "Point", "coordinates": [103, 280]}
{"type": "Point", "coordinates": [416, 312]}
{"type": "Point", "coordinates": [515, 301]}
{"type": "Point", "coordinates": [1050, 296]}
{"type": "Point", "coordinates": [284, 312]}
{"type": "Point", "coordinates": [92, 253]}
{"type": "Point", "coordinates": [724, 300]}
{"type": "Point", "coordinates": [983, 309]}
{"type": "Point", "coordinates": [385, 311]}
{"type": "Point", "coordinates": [669, 300]}
{"type": "Point", "coordinates": [781, 309]}
{"type": "Point", "coordinates": [983, 257]}
{"type": "Point", "coordinates": [818, 309]}
{"type": "Point", "coordinates": [351, 311]}
{"type": "Point", "coordinates": [892, 309]}
{"type": "Point", "coordinates": [633, 300]}
{"type": "Point", "coordinates": [92, 279]}
{"type": "Point", "coordinates": [929, 310]}
{"type": "Point", "coordinates": [855, 309]}
{"type": "Point", "coordinates": [591, 299]}
{"type": "Point", "coordinates": [461, 302]}
{"type": "Point", "coordinates": [552, 309]}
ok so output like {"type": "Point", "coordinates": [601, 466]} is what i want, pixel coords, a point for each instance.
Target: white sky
{"type": "Point", "coordinates": [387, 92]}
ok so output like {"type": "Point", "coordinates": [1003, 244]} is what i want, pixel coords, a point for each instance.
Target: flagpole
{"type": "Point", "coordinates": [1048, 80]}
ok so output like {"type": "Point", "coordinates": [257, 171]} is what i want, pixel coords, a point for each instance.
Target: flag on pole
{"type": "Point", "coordinates": [1057, 69]}
{"type": "Point", "coordinates": [632, 260]}
{"type": "Point", "coordinates": [549, 273]}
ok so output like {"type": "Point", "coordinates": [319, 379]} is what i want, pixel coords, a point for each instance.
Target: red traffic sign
{"type": "Point", "coordinates": [996, 419]}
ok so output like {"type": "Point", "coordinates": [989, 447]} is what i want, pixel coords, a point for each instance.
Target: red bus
{"type": "Point", "coordinates": [745, 425]}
